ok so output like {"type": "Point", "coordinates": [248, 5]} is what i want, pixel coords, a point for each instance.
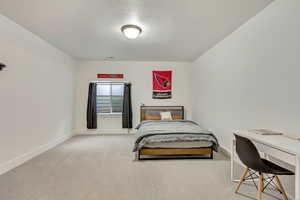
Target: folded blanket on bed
{"type": "Point", "coordinates": [163, 131]}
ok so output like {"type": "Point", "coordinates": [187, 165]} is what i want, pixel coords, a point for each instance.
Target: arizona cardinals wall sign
{"type": "Point", "coordinates": [110, 75]}
{"type": "Point", "coordinates": [162, 84]}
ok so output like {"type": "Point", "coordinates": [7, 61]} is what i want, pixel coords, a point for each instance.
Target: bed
{"type": "Point", "coordinates": [172, 138]}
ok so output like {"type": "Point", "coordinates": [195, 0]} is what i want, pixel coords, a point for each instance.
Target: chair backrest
{"type": "Point", "coordinates": [247, 152]}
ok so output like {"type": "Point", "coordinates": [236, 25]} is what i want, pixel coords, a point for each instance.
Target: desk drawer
{"type": "Point", "coordinates": [276, 153]}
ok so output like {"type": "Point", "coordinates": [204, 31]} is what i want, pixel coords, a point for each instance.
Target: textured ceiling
{"type": "Point", "coordinates": [173, 30]}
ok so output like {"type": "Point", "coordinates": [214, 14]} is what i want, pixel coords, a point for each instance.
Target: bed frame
{"type": "Point", "coordinates": [170, 153]}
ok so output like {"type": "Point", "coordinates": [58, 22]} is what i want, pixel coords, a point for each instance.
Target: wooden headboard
{"type": "Point", "coordinates": [153, 112]}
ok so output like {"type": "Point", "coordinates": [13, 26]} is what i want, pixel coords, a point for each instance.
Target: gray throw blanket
{"type": "Point", "coordinates": [163, 131]}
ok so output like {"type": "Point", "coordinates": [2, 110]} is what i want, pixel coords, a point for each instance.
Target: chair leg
{"type": "Point", "coordinates": [242, 179]}
{"type": "Point", "coordinates": [260, 186]}
{"type": "Point", "coordinates": [262, 183]}
{"type": "Point", "coordinates": [281, 188]}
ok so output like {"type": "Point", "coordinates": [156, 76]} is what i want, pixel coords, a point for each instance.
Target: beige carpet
{"type": "Point", "coordinates": [102, 168]}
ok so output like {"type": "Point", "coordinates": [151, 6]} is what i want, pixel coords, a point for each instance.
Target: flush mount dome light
{"type": "Point", "coordinates": [131, 31]}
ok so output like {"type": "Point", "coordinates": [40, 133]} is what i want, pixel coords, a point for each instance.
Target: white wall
{"type": "Point", "coordinates": [140, 75]}
{"type": "Point", "coordinates": [36, 94]}
{"type": "Point", "coordinates": [251, 79]}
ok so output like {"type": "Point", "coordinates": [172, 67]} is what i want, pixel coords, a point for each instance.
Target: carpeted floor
{"type": "Point", "coordinates": [102, 168]}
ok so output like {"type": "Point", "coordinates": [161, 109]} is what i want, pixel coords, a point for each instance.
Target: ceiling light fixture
{"type": "Point", "coordinates": [131, 31]}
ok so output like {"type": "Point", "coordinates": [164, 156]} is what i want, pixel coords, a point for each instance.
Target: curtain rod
{"type": "Point", "coordinates": [109, 82]}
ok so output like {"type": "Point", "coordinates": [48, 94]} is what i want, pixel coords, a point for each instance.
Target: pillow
{"type": "Point", "coordinates": [166, 116]}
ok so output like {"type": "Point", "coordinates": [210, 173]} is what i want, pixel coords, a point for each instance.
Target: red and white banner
{"type": "Point", "coordinates": [110, 75]}
{"type": "Point", "coordinates": [162, 84]}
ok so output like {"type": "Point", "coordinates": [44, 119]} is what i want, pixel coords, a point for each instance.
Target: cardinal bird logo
{"type": "Point", "coordinates": [162, 81]}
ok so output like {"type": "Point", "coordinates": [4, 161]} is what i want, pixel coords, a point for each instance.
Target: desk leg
{"type": "Point", "coordinates": [232, 159]}
{"type": "Point", "coordinates": [297, 178]}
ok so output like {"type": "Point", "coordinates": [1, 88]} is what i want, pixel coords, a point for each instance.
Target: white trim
{"type": "Point", "coordinates": [104, 132]}
{"type": "Point", "coordinates": [11, 164]}
{"type": "Point", "coordinates": [113, 82]}
{"type": "Point", "coordinates": [225, 151]}
{"type": "Point", "coordinates": [114, 114]}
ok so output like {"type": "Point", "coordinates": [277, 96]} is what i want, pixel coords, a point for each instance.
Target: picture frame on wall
{"type": "Point", "coordinates": [162, 84]}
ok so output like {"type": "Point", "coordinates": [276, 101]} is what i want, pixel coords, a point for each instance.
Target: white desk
{"type": "Point", "coordinates": [280, 147]}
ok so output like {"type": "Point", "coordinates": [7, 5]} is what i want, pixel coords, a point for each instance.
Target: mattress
{"type": "Point", "coordinates": [178, 145]}
{"type": "Point", "coordinates": [173, 134]}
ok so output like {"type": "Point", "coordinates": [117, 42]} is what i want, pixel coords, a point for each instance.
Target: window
{"type": "Point", "coordinates": [110, 98]}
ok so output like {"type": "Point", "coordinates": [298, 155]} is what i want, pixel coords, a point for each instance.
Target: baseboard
{"type": "Point", "coordinates": [104, 132]}
{"type": "Point", "coordinates": [11, 164]}
{"type": "Point", "coordinates": [225, 151]}
{"type": "Point", "coordinates": [290, 197]}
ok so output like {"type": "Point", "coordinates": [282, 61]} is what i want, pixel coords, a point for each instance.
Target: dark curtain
{"type": "Point", "coordinates": [127, 107]}
{"type": "Point", "coordinates": [91, 114]}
